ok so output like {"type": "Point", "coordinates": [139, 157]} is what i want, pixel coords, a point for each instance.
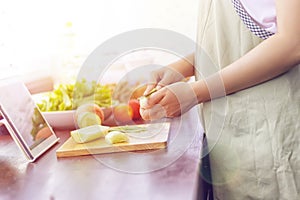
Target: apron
{"type": "Point", "coordinates": [253, 135]}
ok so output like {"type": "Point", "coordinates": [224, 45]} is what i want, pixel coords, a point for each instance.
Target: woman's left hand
{"type": "Point", "coordinates": [170, 101]}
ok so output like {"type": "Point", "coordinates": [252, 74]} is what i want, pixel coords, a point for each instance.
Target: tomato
{"type": "Point", "coordinates": [122, 113]}
{"type": "Point", "coordinates": [135, 105]}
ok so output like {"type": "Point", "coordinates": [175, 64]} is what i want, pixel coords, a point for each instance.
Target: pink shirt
{"type": "Point", "coordinates": [263, 12]}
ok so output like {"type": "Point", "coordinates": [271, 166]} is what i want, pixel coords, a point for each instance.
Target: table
{"type": "Point", "coordinates": [85, 177]}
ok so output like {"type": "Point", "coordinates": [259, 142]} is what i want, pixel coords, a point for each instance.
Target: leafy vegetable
{"type": "Point", "coordinates": [71, 96]}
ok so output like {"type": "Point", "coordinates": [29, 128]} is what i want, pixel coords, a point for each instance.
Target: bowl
{"type": "Point", "coordinates": [61, 119]}
{"type": "Point", "coordinates": [65, 120]}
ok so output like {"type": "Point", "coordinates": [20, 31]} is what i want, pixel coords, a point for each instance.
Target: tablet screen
{"type": "Point", "coordinates": [25, 120]}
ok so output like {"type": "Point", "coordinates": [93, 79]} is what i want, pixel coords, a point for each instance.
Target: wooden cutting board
{"type": "Point", "coordinates": [155, 137]}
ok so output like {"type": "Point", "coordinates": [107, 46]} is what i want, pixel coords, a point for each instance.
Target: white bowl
{"type": "Point", "coordinates": [65, 120]}
{"type": "Point", "coordinates": [60, 119]}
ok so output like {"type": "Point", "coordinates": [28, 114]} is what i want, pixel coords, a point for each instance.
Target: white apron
{"type": "Point", "coordinates": [253, 135]}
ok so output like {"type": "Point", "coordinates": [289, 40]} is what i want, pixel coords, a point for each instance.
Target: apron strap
{"type": "Point", "coordinates": [249, 22]}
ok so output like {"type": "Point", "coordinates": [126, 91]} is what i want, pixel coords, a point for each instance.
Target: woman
{"type": "Point", "coordinates": [249, 94]}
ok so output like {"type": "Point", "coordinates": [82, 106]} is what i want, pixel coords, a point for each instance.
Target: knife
{"type": "Point", "coordinates": [151, 92]}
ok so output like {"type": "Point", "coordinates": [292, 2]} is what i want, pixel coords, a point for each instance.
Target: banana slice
{"type": "Point", "coordinates": [89, 133]}
{"type": "Point", "coordinates": [114, 137]}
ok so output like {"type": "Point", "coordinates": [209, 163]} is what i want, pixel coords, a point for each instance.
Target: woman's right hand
{"type": "Point", "coordinates": [163, 77]}
{"type": "Point", "coordinates": [172, 73]}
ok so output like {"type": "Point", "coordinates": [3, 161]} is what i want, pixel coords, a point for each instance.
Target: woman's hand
{"type": "Point", "coordinates": [163, 77]}
{"type": "Point", "coordinates": [170, 101]}
{"type": "Point", "coordinates": [172, 73]}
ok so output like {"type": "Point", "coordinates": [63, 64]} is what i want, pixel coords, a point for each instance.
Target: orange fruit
{"type": "Point", "coordinates": [122, 113]}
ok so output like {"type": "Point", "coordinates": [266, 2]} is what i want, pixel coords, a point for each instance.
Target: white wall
{"type": "Point", "coordinates": [33, 33]}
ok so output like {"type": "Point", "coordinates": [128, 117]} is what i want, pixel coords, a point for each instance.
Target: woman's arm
{"type": "Point", "coordinates": [184, 66]}
{"type": "Point", "coordinates": [272, 57]}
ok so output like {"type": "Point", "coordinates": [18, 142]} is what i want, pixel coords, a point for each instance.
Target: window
{"type": "Point", "coordinates": [54, 37]}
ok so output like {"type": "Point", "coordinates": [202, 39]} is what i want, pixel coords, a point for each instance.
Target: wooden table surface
{"type": "Point", "coordinates": [90, 177]}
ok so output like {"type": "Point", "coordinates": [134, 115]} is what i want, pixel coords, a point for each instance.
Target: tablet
{"type": "Point", "coordinates": [24, 120]}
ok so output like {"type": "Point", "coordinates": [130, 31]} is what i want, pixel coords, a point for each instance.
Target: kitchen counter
{"type": "Point", "coordinates": [88, 177]}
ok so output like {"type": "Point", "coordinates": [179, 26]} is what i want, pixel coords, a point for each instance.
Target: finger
{"type": "Point", "coordinates": [145, 114]}
{"type": "Point", "coordinates": [155, 98]}
{"type": "Point", "coordinates": [162, 83]}
{"type": "Point", "coordinates": [149, 88]}
{"type": "Point", "coordinates": [169, 106]}
{"type": "Point", "coordinates": [157, 112]}
{"type": "Point", "coordinates": [154, 113]}
{"type": "Point", "coordinates": [154, 79]}
{"type": "Point", "coordinates": [159, 86]}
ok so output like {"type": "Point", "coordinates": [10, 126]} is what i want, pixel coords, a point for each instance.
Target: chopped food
{"type": "Point", "coordinates": [114, 137]}
{"type": "Point", "coordinates": [89, 133]}
{"type": "Point", "coordinates": [88, 115]}
{"type": "Point", "coordinates": [86, 119]}
{"type": "Point", "coordinates": [90, 107]}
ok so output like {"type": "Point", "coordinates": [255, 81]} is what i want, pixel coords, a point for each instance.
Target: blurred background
{"type": "Point", "coordinates": [53, 38]}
